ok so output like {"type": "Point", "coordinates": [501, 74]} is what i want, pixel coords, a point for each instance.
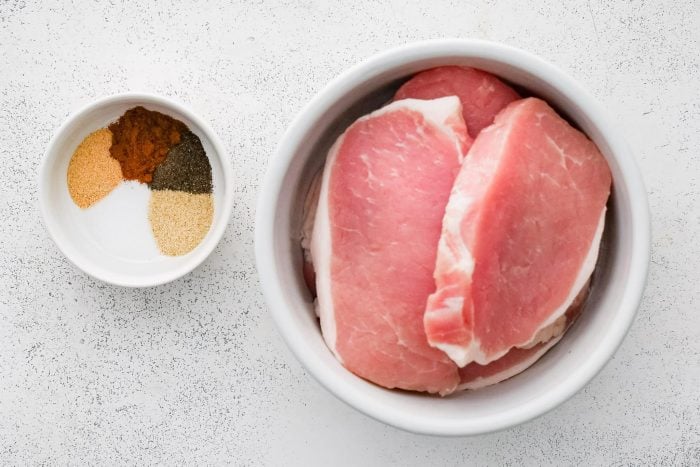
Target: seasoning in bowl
{"type": "Point", "coordinates": [179, 220]}
{"type": "Point", "coordinates": [160, 154]}
{"type": "Point", "coordinates": [92, 173]}
{"type": "Point", "coordinates": [142, 139]}
{"type": "Point", "coordinates": [186, 168]}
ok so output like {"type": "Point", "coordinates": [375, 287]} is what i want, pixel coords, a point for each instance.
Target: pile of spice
{"type": "Point", "coordinates": [92, 173]}
{"type": "Point", "coordinates": [148, 147]}
{"type": "Point", "coordinates": [141, 141]}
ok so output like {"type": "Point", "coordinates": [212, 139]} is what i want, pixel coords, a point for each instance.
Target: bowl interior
{"type": "Point", "coordinates": [564, 369]}
{"type": "Point", "coordinates": [85, 240]}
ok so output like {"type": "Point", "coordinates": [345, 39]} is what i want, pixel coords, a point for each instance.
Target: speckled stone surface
{"type": "Point", "coordinates": [194, 371]}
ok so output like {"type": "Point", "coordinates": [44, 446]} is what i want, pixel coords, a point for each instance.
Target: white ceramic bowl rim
{"type": "Point", "coordinates": [194, 258]}
{"type": "Point", "coordinates": [270, 274]}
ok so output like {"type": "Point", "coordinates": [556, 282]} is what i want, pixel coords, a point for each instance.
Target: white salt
{"type": "Point", "coordinates": [119, 223]}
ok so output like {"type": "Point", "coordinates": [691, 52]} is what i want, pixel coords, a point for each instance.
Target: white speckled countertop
{"type": "Point", "coordinates": [194, 371]}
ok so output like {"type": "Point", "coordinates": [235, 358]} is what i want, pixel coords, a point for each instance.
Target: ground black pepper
{"type": "Point", "coordinates": [185, 168]}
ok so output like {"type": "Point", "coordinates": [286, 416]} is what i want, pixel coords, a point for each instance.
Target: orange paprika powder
{"type": "Point", "coordinates": [141, 139]}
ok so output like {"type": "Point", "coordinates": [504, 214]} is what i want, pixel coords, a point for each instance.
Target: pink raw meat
{"type": "Point", "coordinates": [472, 376]}
{"type": "Point", "coordinates": [520, 234]}
{"type": "Point", "coordinates": [475, 376]}
{"type": "Point", "coordinates": [385, 185]}
{"type": "Point", "coordinates": [482, 94]}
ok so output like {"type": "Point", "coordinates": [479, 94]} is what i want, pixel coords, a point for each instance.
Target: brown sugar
{"type": "Point", "coordinates": [179, 220]}
{"type": "Point", "coordinates": [142, 139]}
{"type": "Point", "coordinates": [92, 173]}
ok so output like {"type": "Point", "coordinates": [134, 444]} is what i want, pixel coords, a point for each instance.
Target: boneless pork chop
{"type": "Point", "coordinates": [481, 93]}
{"type": "Point", "coordinates": [482, 96]}
{"type": "Point", "coordinates": [520, 235]}
{"type": "Point", "coordinates": [385, 185]}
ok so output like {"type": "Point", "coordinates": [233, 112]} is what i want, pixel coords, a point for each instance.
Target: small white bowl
{"type": "Point", "coordinates": [618, 283]}
{"type": "Point", "coordinates": [79, 242]}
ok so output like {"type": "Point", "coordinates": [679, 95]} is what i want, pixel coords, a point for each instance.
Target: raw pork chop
{"type": "Point", "coordinates": [385, 185]}
{"type": "Point", "coordinates": [475, 376]}
{"type": "Point", "coordinates": [472, 376]}
{"type": "Point", "coordinates": [520, 235]}
{"type": "Point", "coordinates": [482, 94]}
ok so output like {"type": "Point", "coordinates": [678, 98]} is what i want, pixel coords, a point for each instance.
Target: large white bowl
{"type": "Point", "coordinates": [69, 229]}
{"type": "Point", "coordinates": [618, 282]}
